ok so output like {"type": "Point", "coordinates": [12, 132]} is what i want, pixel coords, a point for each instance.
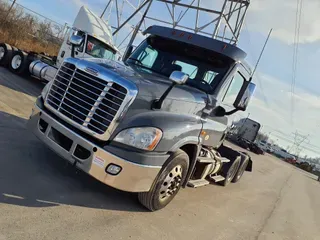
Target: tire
{"type": "Point", "coordinates": [243, 165]}
{"type": "Point", "coordinates": [6, 52]}
{"type": "Point", "coordinates": [157, 198]}
{"type": "Point", "coordinates": [19, 62]}
{"type": "Point", "coordinates": [229, 170]}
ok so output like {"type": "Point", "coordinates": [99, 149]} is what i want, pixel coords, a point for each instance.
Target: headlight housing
{"type": "Point", "coordinates": [45, 90]}
{"type": "Point", "coordinates": [146, 138]}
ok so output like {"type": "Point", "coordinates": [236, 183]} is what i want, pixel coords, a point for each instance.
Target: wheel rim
{"type": "Point", "coordinates": [171, 183]}
{"type": "Point", "coordinates": [2, 52]}
{"type": "Point", "coordinates": [16, 62]}
{"type": "Point", "coordinates": [232, 172]}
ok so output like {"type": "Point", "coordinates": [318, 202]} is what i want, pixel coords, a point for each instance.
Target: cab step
{"type": "Point", "coordinates": [198, 183]}
{"type": "Point", "coordinates": [210, 160]}
{"type": "Point", "coordinates": [217, 178]}
{"type": "Point", "coordinates": [206, 160]}
{"type": "Point", "coordinates": [225, 160]}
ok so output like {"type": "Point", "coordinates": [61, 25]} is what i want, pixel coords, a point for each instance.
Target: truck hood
{"type": "Point", "coordinates": [151, 84]}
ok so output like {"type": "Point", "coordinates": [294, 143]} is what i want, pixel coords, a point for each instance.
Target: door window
{"type": "Point", "coordinates": [233, 89]}
{"type": "Point", "coordinates": [148, 57]}
{"type": "Point", "coordinates": [209, 76]}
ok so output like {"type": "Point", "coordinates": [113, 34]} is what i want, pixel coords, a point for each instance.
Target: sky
{"type": "Point", "coordinates": [271, 105]}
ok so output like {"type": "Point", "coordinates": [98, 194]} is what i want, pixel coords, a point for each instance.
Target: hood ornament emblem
{"type": "Point", "coordinates": [92, 71]}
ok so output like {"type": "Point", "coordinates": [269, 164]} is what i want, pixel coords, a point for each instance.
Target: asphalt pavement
{"type": "Point", "coordinates": [42, 197]}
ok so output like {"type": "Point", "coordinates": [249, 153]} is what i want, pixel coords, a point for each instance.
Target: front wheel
{"type": "Point", "coordinates": [168, 182]}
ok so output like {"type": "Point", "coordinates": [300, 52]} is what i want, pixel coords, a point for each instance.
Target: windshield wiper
{"type": "Point", "coordinates": [143, 66]}
{"type": "Point", "coordinates": [137, 60]}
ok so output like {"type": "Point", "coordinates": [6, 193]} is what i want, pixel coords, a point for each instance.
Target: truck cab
{"type": "Point", "coordinates": [96, 34]}
{"type": "Point", "coordinates": [153, 123]}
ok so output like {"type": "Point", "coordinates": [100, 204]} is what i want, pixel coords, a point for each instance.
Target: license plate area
{"type": "Point", "coordinates": [60, 139]}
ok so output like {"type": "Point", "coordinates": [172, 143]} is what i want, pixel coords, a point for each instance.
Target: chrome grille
{"type": "Point", "coordinates": [85, 99]}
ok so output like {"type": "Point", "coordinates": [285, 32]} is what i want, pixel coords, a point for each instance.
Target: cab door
{"type": "Point", "coordinates": [217, 127]}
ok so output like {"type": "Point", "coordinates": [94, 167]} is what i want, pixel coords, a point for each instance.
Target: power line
{"type": "Point", "coordinates": [307, 147]}
{"type": "Point", "coordinates": [295, 53]}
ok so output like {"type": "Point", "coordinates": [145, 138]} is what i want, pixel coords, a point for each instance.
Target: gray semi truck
{"type": "Point", "coordinates": [154, 122]}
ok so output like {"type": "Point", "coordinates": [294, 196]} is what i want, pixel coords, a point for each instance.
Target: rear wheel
{"type": "Point", "coordinates": [19, 62]}
{"type": "Point", "coordinates": [229, 170]}
{"type": "Point", "coordinates": [243, 165]}
{"type": "Point", "coordinates": [168, 182]}
{"type": "Point", "coordinates": [5, 54]}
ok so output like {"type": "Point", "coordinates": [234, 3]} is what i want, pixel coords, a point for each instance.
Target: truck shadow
{"type": "Point", "coordinates": [25, 84]}
{"type": "Point", "coordinates": [31, 175]}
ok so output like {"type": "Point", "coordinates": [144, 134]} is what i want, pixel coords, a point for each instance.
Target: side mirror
{"type": "Point", "coordinates": [127, 53]}
{"type": "Point", "coordinates": [179, 77]}
{"type": "Point", "coordinates": [75, 41]}
{"type": "Point", "coordinates": [244, 96]}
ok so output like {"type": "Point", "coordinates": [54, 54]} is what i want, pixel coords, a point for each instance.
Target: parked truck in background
{"type": "Point", "coordinates": [244, 134]}
{"type": "Point", "coordinates": [153, 123]}
{"type": "Point", "coordinates": [97, 43]}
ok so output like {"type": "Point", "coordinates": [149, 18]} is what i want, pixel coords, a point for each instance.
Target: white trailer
{"type": "Point", "coordinates": [97, 43]}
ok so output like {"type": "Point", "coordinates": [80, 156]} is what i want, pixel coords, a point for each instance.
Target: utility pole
{"type": "Point", "coordinates": [13, 3]}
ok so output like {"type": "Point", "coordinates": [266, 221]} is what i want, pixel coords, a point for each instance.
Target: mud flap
{"type": "Point", "coordinates": [249, 167]}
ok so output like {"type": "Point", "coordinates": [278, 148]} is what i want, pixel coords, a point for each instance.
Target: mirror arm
{"type": "Point", "coordinates": [157, 104]}
{"type": "Point", "coordinates": [232, 112]}
{"type": "Point", "coordinates": [72, 50]}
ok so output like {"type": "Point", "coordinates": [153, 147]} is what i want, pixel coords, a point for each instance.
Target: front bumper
{"type": "Point", "coordinates": [71, 146]}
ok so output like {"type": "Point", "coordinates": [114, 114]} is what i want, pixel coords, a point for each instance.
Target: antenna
{"type": "Point", "coordinates": [262, 51]}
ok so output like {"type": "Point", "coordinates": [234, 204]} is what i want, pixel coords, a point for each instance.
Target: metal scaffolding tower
{"type": "Point", "coordinates": [219, 19]}
{"type": "Point", "coordinates": [299, 140]}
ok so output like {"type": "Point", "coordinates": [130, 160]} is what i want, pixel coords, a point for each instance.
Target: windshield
{"type": "Point", "coordinates": [163, 56]}
{"type": "Point", "coordinates": [98, 49]}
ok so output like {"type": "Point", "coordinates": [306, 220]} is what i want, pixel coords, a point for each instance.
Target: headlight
{"type": "Point", "coordinates": [146, 138]}
{"type": "Point", "coordinates": [46, 89]}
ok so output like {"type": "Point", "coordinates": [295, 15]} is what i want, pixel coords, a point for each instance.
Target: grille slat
{"type": "Point", "coordinates": [63, 78]}
{"type": "Point", "coordinates": [53, 102]}
{"type": "Point", "coordinates": [56, 93]}
{"type": "Point", "coordinates": [100, 83]}
{"type": "Point", "coordinates": [83, 89]}
{"type": "Point", "coordinates": [90, 110]}
{"type": "Point", "coordinates": [85, 99]}
{"type": "Point", "coordinates": [65, 73]}
{"type": "Point", "coordinates": [100, 103]}
{"type": "Point", "coordinates": [71, 69]}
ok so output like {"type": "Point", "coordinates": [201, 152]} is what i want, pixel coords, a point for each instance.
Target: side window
{"type": "Point", "coordinates": [209, 76]}
{"type": "Point", "coordinates": [148, 57]}
{"type": "Point", "coordinates": [188, 69]}
{"type": "Point", "coordinates": [233, 89]}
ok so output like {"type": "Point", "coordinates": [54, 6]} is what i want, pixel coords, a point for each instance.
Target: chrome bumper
{"type": "Point", "coordinates": [132, 178]}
